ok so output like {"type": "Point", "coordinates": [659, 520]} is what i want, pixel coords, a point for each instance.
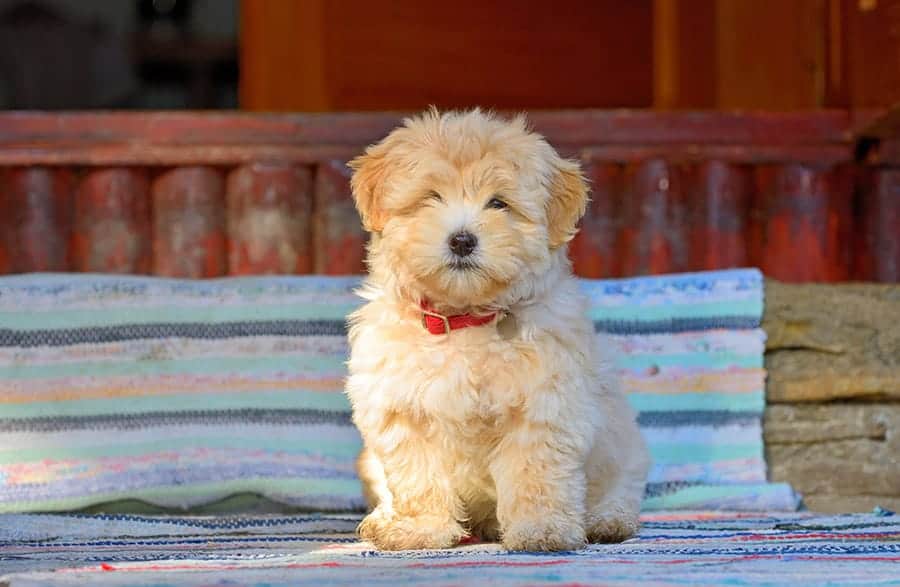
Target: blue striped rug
{"type": "Point", "coordinates": [181, 393]}
{"type": "Point", "coordinates": [695, 548]}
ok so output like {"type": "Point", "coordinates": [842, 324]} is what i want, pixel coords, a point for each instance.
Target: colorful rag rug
{"type": "Point", "coordinates": [180, 393]}
{"type": "Point", "coordinates": [790, 549]}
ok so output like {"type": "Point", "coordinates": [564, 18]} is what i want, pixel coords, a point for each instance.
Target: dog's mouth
{"type": "Point", "coordinates": [462, 265]}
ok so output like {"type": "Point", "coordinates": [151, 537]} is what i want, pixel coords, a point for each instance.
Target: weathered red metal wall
{"type": "Point", "coordinates": [111, 222]}
{"type": "Point", "coordinates": [269, 219]}
{"type": "Point", "coordinates": [189, 237]}
{"type": "Point", "coordinates": [205, 195]}
{"type": "Point", "coordinates": [35, 219]}
{"type": "Point", "coordinates": [877, 238]}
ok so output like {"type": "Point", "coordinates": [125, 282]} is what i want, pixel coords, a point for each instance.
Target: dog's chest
{"type": "Point", "coordinates": [480, 378]}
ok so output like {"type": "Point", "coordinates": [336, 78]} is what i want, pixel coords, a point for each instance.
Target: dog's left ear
{"type": "Point", "coordinates": [368, 184]}
{"type": "Point", "coordinates": [567, 203]}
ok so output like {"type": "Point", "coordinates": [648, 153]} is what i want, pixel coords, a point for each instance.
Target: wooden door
{"type": "Point", "coordinates": [321, 55]}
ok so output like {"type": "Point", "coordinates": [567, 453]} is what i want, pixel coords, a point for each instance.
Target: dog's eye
{"type": "Point", "coordinates": [432, 195]}
{"type": "Point", "coordinates": [497, 204]}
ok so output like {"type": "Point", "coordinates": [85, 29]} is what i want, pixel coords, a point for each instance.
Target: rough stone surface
{"type": "Point", "coordinates": [832, 425]}
{"type": "Point", "coordinates": [832, 342]}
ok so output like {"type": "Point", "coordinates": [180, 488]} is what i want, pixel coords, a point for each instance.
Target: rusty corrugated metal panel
{"type": "Point", "coordinates": [338, 237]}
{"type": "Point", "coordinates": [632, 228]}
{"type": "Point", "coordinates": [35, 219]}
{"type": "Point", "coordinates": [594, 249]}
{"type": "Point", "coordinates": [111, 232]}
{"type": "Point", "coordinates": [877, 254]}
{"type": "Point", "coordinates": [189, 223]}
{"type": "Point", "coordinates": [803, 223]}
{"type": "Point", "coordinates": [653, 237]}
{"type": "Point", "coordinates": [719, 194]}
{"type": "Point", "coordinates": [269, 219]}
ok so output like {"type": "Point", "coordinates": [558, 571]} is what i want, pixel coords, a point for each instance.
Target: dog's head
{"type": "Point", "coordinates": [463, 205]}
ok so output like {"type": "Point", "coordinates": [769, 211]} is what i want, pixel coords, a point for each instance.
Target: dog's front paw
{"type": "Point", "coordinates": [614, 527]}
{"type": "Point", "coordinates": [548, 534]}
{"type": "Point", "coordinates": [410, 533]}
{"type": "Point", "coordinates": [372, 524]}
{"type": "Point", "coordinates": [486, 530]}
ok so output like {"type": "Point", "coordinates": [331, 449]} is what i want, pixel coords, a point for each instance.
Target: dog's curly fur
{"type": "Point", "coordinates": [514, 431]}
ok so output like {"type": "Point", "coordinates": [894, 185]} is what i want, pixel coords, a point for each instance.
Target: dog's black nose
{"type": "Point", "coordinates": [463, 243]}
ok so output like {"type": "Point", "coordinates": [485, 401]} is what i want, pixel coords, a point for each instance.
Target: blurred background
{"type": "Point", "coordinates": [338, 55]}
{"type": "Point", "coordinates": [112, 54]}
{"type": "Point", "coordinates": [715, 133]}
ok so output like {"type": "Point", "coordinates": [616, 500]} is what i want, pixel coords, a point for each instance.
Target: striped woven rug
{"type": "Point", "coordinates": [180, 393]}
{"type": "Point", "coordinates": [789, 549]}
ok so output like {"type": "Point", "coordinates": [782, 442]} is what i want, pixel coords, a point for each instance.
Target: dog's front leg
{"type": "Point", "coordinates": [424, 509]}
{"type": "Point", "coordinates": [541, 486]}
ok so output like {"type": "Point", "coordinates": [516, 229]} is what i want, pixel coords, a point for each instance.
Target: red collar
{"type": "Point", "coordinates": [439, 324]}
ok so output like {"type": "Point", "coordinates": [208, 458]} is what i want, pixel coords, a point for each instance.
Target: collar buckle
{"type": "Point", "coordinates": [441, 317]}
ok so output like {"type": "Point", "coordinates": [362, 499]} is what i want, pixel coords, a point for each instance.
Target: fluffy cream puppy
{"type": "Point", "coordinates": [509, 424]}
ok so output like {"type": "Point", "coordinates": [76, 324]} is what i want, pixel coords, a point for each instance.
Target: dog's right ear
{"type": "Point", "coordinates": [368, 183]}
{"type": "Point", "coordinates": [568, 201]}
